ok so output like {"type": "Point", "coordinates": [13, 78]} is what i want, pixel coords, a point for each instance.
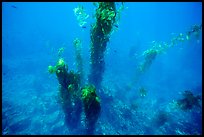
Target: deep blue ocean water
{"type": "Point", "coordinates": [32, 34]}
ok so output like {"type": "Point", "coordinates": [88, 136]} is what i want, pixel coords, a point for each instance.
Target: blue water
{"type": "Point", "coordinates": [32, 33]}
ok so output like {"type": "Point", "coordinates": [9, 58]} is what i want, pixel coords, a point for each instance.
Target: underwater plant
{"type": "Point", "coordinates": [92, 107]}
{"type": "Point", "coordinates": [79, 60]}
{"type": "Point", "coordinates": [69, 87]}
{"type": "Point", "coordinates": [195, 30]}
{"type": "Point", "coordinates": [150, 55]}
{"type": "Point", "coordinates": [64, 77]}
{"type": "Point", "coordinates": [158, 48]}
{"type": "Point", "coordinates": [81, 15]}
{"type": "Point", "coordinates": [51, 69]}
{"type": "Point", "coordinates": [60, 51]}
{"type": "Point", "coordinates": [100, 34]}
{"type": "Point", "coordinates": [161, 47]}
{"type": "Point", "coordinates": [189, 101]}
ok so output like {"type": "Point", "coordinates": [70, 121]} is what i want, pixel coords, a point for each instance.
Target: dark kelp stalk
{"type": "Point", "coordinates": [69, 90]}
{"type": "Point", "coordinates": [106, 16]}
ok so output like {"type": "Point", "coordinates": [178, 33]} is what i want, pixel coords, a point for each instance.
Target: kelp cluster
{"type": "Point", "coordinates": [92, 106]}
{"type": "Point", "coordinates": [69, 92]}
{"type": "Point", "coordinates": [81, 15]}
{"type": "Point", "coordinates": [71, 82]}
{"type": "Point", "coordinates": [73, 95]}
{"type": "Point", "coordinates": [161, 47]}
{"type": "Point", "coordinates": [150, 55]}
{"type": "Point", "coordinates": [100, 34]}
{"type": "Point", "coordinates": [189, 101]}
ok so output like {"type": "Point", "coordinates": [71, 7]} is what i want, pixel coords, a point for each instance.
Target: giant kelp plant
{"type": "Point", "coordinates": [72, 97]}
{"type": "Point", "coordinates": [69, 92]}
{"type": "Point", "coordinates": [81, 15]}
{"type": "Point", "coordinates": [92, 107]}
{"type": "Point", "coordinates": [161, 47]}
{"type": "Point", "coordinates": [78, 57]}
{"type": "Point", "coordinates": [100, 35]}
{"type": "Point", "coordinates": [158, 48]}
